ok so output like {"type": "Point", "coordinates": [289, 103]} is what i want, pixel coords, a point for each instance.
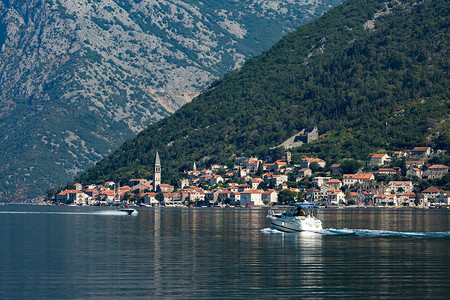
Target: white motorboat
{"type": "Point", "coordinates": [128, 211]}
{"type": "Point", "coordinates": [299, 217]}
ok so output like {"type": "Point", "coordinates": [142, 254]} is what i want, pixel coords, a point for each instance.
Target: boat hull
{"type": "Point", "coordinates": [128, 211]}
{"type": "Point", "coordinates": [293, 224]}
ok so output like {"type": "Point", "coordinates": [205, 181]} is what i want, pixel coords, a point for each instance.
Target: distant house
{"type": "Point", "coordinates": [443, 198]}
{"type": "Point", "coordinates": [205, 178]}
{"type": "Point", "coordinates": [163, 187]}
{"type": "Point", "coordinates": [412, 171]}
{"type": "Point", "coordinates": [133, 182]}
{"type": "Point", "coordinates": [414, 163]}
{"type": "Point", "coordinates": [233, 187]}
{"type": "Point", "coordinates": [334, 183]}
{"type": "Point", "coordinates": [362, 179]}
{"type": "Point", "coordinates": [171, 199]}
{"type": "Point", "coordinates": [436, 171]}
{"type": "Point", "coordinates": [215, 179]}
{"type": "Point", "coordinates": [282, 186]}
{"type": "Point", "coordinates": [379, 159]}
{"type": "Point", "coordinates": [431, 194]}
{"type": "Point", "coordinates": [336, 198]}
{"type": "Point", "coordinates": [406, 199]}
{"type": "Point", "coordinates": [270, 196]}
{"type": "Point", "coordinates": [235, 198]}
{"type": "Point", "coordinates": [107, 196]}
{"type": "Point", "coordinates": [251, 198]}
{"type": "Point", "coordinates": [276, 166]}
{"type": "Point", "coordinates": [275, 180]}
{"type": "Point", "coordinates": [142, 187]}
{"type": "Point", "coordinates": [252, 164]}
{"type": "Point", "coordinates": [319, 181]}
{"type": "Point", "coordinates": [400, 154]}
{"type": "Point", "coordinates": [403, 186]}
{"type": "Point", "coordinates": [243, 187]}
{"type": "Point", "coordinates": [193, 195]}
{"type": "Point", "coordinates": [388, 171]}
{"type": "Point", "coordinates": [150, 198]}
{"type": "Point", "coordinates": [421, 151]}
{"type": "Point", "coordinates": [385, 200]}
{"type": "Point", "coordinates": [336, 169]}
{"type": "Point", "coordinates": [182, 183]}
{"type": "Point", "coordinates": [306, 162]}
{"type": "Point", "coordinates": [305, 172]}
{"type": "Point", "coordinates": [256, 182]}
{"type": "Point", "coordinates": [72, 196]}
{"type": "Point", "coordinates": [223, 195]}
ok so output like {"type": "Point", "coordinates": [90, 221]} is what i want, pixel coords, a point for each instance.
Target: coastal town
{"type": "Point", "coordinates": [254, 182]}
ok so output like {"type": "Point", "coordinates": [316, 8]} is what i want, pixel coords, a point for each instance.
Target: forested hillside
{"type": "Point", "coordinates": [369, 74]}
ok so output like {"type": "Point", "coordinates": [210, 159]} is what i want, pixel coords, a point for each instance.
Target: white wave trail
{"type": "Point", "coordinates": [371, 233]}
{"type": "Point", "coordinates": [383, 233]}
{"type": "Point", "coordinates": [100, 212]}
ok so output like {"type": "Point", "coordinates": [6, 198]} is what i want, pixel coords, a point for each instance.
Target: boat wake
{"type": "Point", "coordinates": [372, 233]}
{"type": "Point", "coordinates": [99, 213]}
{"type": "Point", "coordinates": [383, 233]}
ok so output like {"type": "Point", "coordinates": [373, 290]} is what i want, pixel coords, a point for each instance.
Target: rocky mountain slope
{"type": "Point", "coordinates": [371, 75]}
{"type": "Point", "coordinates": [77, 78]}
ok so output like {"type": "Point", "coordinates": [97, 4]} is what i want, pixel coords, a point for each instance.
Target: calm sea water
{"type": "Point", "coordinates": [79, 253]}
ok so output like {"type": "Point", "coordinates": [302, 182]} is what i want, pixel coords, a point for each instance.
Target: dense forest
{"type": "Point", "coordinates": [369, 74]}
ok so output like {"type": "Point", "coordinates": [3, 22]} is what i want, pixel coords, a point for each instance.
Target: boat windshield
{"type": "Point", "coordinates": [302, 211]}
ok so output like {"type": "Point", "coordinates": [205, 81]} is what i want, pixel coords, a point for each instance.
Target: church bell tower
{"type": "Point", "coordinates": [157, 173]}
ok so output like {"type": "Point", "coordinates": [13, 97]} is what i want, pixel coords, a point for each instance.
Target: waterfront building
{"type": "Point", "coordinates": [251, 198]}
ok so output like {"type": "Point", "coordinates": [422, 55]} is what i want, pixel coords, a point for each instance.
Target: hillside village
{"type": "Point", "coordinates": [255, 182]}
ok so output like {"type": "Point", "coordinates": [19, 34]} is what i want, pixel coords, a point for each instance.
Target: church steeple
{"type": "Point", "coordinates": [157, 173]}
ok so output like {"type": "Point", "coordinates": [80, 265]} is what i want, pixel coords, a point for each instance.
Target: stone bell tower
{"type": "Point", "coordinates": [157, 173]}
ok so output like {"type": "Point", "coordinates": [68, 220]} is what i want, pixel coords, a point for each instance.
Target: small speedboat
{"type": "Point", "coordinates": [299, 217]}
{"type": "Point", "coordinates": [127, 210]}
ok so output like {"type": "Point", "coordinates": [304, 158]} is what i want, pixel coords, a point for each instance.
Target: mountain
{"type": "Point", "coordinates": [77, 78]}
{"type": "Point", "coordinates": [369, 74]}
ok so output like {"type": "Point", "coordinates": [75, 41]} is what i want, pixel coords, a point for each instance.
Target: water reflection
{"type": "Point", "coordinates": [221, 253]}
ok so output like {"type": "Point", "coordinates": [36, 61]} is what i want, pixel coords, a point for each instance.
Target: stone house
{"type": "Point", "coordinates": [413, 171]}
{"type": "Point", "coordinates": [306, 162]}
{"type": "Point", "coordinates": [431, 194]}
{"type": "Point", "coordinates": [436, 171]}
{"type": "Point", "coordinates": [336, 169]}
{"type": "Point", "coordinates": [403, 186]}
{"type": "Point", "coordinates": [421, 151]}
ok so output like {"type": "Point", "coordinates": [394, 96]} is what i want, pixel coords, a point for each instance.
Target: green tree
{"type": "Point", "coordinates": [286, 196]}
{"type": "Point", "coordinates": [351, 166]}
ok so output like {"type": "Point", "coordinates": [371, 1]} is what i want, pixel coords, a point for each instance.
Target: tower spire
{"type": "Point", "coordinates": [157, 173]}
